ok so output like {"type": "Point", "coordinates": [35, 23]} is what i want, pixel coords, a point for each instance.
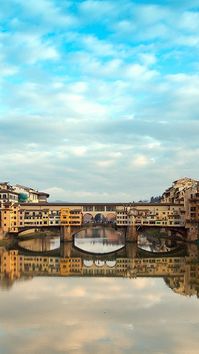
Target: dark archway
{"type": "Point", "coordinates": [99, 218]}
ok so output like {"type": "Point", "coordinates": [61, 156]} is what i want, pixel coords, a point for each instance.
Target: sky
{"type": "Point", "coordinates": [99, 99]}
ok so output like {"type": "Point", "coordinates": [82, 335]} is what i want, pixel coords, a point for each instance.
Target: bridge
{"type": "Point", "coordinates": [178, 209]}
{"type": "Point", "coordinates": [70, 218]}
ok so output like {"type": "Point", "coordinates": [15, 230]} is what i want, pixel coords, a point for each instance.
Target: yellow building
{"type": "Point", "coordinates": [10, 217]}
{"type": "Point", "coordinates": [70, 217]}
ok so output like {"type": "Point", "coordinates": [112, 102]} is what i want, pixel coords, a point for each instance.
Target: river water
{"type": "Point", "coordinates": [99, 296]}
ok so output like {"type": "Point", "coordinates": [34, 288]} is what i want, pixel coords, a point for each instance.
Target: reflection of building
{"type": "Point", "coordinates": [11, 264]}
{"type": "Point", "coordinates": [70, 266]}
{"type": "Point", "coordinates": [41, 265]}
{"type": "Point", "coordinates": [181, 274]}
{"type": "Point", "coordinates": [187, 283]}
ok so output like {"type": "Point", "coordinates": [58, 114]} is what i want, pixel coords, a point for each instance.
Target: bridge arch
{"type": "Point", "coordinates": [99, 218]}
{"type": "Point", "coordinates": [111, 264]}
{"type": "Point", "coordinates": [99, 263]}
{"type": "Point", "coordinates": [111, 217]}
{"type": "Point", "coordinates": [88, 262]}
{"type": "Point", "coordinates": [87, 218]}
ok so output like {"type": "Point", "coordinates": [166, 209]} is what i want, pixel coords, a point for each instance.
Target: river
{"type": "Point", "coordinates": [99, 295]}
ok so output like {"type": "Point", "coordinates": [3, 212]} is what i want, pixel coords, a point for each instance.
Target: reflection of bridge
{"type": "Point", "coordinates": [130, 232]}
{"type": "Point", "coordinates": [130, 250]}
{"type": "Point", "coordinates": [181, 264]}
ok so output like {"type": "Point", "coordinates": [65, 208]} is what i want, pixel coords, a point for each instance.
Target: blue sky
{"type": "Point", "coordinates": [99, 98]}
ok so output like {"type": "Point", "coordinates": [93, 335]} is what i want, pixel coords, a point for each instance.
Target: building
{"type": "Point", "coordinates": [20, 194]}
{"type": "Point", "coordinates": [192, 204]}
{"type": "Point", "coordinates": [176, 193]}
{"type": "Point", "coordinates": [10, 217]}
{"type": "Point", "coordinates": [7, 194]}
{"type": "Point", "coordinates": [151, 215]}
{"type": "Point", "coordinates": [30, 195]}
{"type": "Point", "coordinates": [71, 217]}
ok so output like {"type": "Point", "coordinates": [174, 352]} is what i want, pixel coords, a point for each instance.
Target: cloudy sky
{"type": "Point", "coordinates": [99, 98]}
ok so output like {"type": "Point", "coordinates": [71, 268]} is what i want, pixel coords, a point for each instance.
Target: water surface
{"type": "Point", "coordinates": [123, 304]}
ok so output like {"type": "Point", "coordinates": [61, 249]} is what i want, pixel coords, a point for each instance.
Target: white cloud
{"type": "Point", "coordinates": [79, 150]}
{"type": "Point", "coordinates": [34, 48]}
{"type": "Point", "coordinates": [140, 161]}
{"type": "Point", "coordinates": [96, 93]}
{"type": "Point", "coordinates": [105, 163]}
{"type": "Point", "coordinates": [148, 58]}
{"type": "Point", "coordinates": [48, 11]}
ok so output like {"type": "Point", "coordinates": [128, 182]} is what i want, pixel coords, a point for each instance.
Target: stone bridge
{"type": "Point", "coordinates": [74, 217]}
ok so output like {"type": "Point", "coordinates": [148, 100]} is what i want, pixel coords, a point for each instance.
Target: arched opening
{"type": "Point", "coordinates": [111, 218]}
{"type": "Point", "coordinates": [110, 264]}
{"type": "Point", "coordinates": [99, 263]}
{"type": "Point", "coordinates": [87, 262]}
{"type": "Point", "coordinates": [99, 218]}
{"type": "Point", "coordinates": [87, 218]}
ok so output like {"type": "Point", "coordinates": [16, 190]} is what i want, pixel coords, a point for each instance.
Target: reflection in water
{"type": "Point", "coordinates": [182, 264]}
{"type": "Point", "coordinates": [80, 303]}
{"type": "Point", "coordinates": [42, 244]}
{"type": "Point", "coordinates": [154, 244]}
{"type": "Point", "coordinates": [99, 240]}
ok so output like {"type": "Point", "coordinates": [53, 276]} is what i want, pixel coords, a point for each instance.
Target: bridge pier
{"type": "Point", "coordinates": [66, 249]}
{"type": "Point", "coordinates": [131, 250]}
{"type": "Point", "coordinates": [66, 234]}
{"type": "Point", "coordinates": [131, 234]}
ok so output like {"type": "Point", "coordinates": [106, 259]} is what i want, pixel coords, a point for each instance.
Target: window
{"type": "Point", "coordinates": [99, 208]}
{"type": "Point", "coordinates": [88, 208]}
{"type": "Point", "coordinates": [110, 207]}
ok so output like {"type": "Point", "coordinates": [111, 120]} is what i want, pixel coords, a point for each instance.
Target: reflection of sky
{"type": "Point", "coordinates": [97, 245]}
{"type": "Point", "coordinates": [99, 240]}
{"type": "Point", "coordinates": [41, 244]}
{"type": "Point", "coordinates": [98, 315]}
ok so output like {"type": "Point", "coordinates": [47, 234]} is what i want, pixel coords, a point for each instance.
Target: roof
{"type": "Point", "coordinates": [125, 204]}
{"type": "Point", "coordinates": [8, 191]}
{"type": "Point", "coordinates": [44, 193]}
{"type": "Point", "coordinates": [29, 189]}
